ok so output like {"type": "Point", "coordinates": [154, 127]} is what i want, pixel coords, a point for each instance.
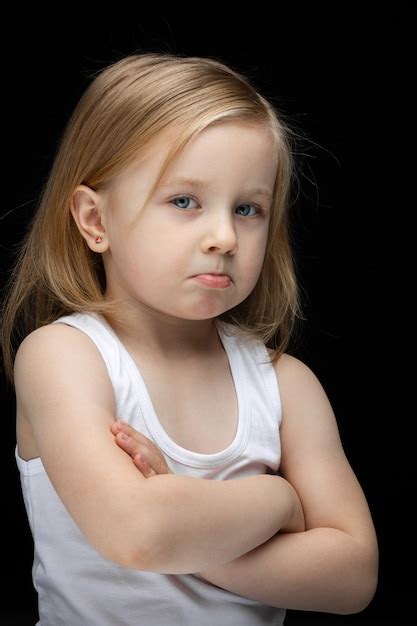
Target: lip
{"type": "Point", "coordinates": [213, 279]}
{"type": "Point", "coordinates": [212, 274]}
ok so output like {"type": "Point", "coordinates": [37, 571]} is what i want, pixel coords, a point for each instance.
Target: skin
{"type": "Point", "coordinates": [146, 456]}
{"type": "Point", "coordinates": [149, 265]}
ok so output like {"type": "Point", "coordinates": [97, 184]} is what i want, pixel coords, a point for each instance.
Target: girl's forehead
{"type": "Point", "coordinates": [164, 140]}
{"type": "Point", "coordinates": [153, 156]}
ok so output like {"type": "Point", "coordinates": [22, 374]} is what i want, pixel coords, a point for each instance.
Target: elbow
{"type": "Point", "coordinates": [359, 601]}
{"type": "Point", "coordinates": [140, 554]}
{"type": "Point", "coordinates": [138, 558]}
{"type": "Point", "coordinates": [132, 546]}
{"type": "Point", "coordinates": [369, 587]}
{"type": "Point", "coordinates": [366, 583]}
{"type": "Point", "coordinates": [150, 546]}
{"type": "Point", "coordinates": [142, 549]}
{"type": "Point", "coordinates": [134, 554]}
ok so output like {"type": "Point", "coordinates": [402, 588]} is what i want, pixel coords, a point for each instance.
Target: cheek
{"type": "Point", "coordinates": [157, 235]}
{"type": "Point", "coordinates": [254, 254]}
{"type": "Point", "coordinates": [151, 256]}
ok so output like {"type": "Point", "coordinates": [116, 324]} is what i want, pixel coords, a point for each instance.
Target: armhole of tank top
{"type": "Point", "coordinates": [266, 370]}
{"type": "Point", "coordinates": [35, 466]}
{"type": "Point", "coordinates": [30, 467]}
{"type": "Point", "coordinates": [269, 376]}
{"type": "Point", "coordinates": [107, 361]}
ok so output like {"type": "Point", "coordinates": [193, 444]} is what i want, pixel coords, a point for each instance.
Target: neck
{"type": "Point", "coordinates": [169, 337]}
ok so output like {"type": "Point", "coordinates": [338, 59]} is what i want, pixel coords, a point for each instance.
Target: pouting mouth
{"type": "Point", "coordinates": [213, 274]}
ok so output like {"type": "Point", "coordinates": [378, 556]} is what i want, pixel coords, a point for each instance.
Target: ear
{"type": "Point", "coordinates": [87, 209]}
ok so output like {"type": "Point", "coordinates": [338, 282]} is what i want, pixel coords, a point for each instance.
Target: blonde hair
{"type": "Point", "coordinates": [122, 112]}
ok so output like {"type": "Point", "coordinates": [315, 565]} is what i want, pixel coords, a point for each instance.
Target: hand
{"type": "Point", "coordinates": [145, 454]}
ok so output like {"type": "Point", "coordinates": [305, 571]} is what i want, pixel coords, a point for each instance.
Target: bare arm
{"type": "Point", "coordinates": [200, 523]}
{"type": "Point", "coordinates": [333, 565]}
{"type": "Point", "coordinates": [321, 569]}
{"type": "Point", "coordinates": [170, 524]}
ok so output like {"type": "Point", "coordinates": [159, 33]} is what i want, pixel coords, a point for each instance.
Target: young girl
{"type": "Point", "coordinates": [156, 284]}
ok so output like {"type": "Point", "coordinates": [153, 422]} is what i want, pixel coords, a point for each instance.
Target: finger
{"type": "Point", "coordinates": [137, 436]}
{"type": "Point", "coordinates": [150, 460]}
{"type": "Point", "coordinates": [113, 428]}
{"type": "Point", "coordinates": [142, 464]}
{"type": "Point", "coordinates": [133, 447]}
{"type": "Point", "coordinates": [139, 442]}
{"type": "Point", "coordinates": [128, 444]}
{"type": "Point", "coordinates": [121, 426]}
{"type": "Point", "coordinates": [116, 426]}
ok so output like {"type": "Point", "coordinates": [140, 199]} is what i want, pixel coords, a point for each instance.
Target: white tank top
{"type": "Point", "coordinates": [77, 586]}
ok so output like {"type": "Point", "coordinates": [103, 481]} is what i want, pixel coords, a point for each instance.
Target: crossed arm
{"type": "Point", "coordinates": [332, 565]}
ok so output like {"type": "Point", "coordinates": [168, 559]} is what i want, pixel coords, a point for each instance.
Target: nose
{"type": "Point", "coordinates": [220, 234]}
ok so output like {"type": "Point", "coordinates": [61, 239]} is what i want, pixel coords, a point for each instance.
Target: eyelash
{"type": "Point", "coordinates": [261, 212]}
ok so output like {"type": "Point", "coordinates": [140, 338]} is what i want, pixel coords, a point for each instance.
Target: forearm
{"type": "Point", "coordinates": [321, 569]}
{"type": "Point", "coordinates": [199, 523]}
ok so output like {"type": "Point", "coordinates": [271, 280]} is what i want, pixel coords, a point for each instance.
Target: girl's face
{"type": "Point", "coordinates": [217, 225]}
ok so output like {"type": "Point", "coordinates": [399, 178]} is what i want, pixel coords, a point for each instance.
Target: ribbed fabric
{"type": "Point", "coordinates": [76, 586]}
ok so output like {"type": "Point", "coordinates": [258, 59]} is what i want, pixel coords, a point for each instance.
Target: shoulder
{"type": "Point", "coordinates": [289, 366]}
{"type": "Point", "coordinates": [51, 336]}
{"type": "Point", "coordinates": [307, 411]}
{"type": "Point", "coordinates": [49, 333]}
{"type": "Point", "coordinates": [59, 352]}
{"type": "Point", "coordinates": [67, 397]}
{"type": "Point", "coordinates": [58, 344]}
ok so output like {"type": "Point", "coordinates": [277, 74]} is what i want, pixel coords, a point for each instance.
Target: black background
{"type": "Point", "coordinates": [350, 72]}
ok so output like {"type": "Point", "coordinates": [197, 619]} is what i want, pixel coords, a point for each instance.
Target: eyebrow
{"type": "Point", "coordinates": [203, 184]}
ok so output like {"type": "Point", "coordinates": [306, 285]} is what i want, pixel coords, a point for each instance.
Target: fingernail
{"type": "Point", "coordinates": [126, 437]}
{"type": "Point", "coordinates": [121, 423]}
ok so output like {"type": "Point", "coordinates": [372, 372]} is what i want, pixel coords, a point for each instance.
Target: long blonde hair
{"type": "Point", "coordinates": [125, 108]}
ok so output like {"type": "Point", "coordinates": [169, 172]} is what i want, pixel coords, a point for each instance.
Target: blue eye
{"type": "Point", "coordinates": [181, 198]}
{"type": "Point", "coordinates": [259, 210]}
